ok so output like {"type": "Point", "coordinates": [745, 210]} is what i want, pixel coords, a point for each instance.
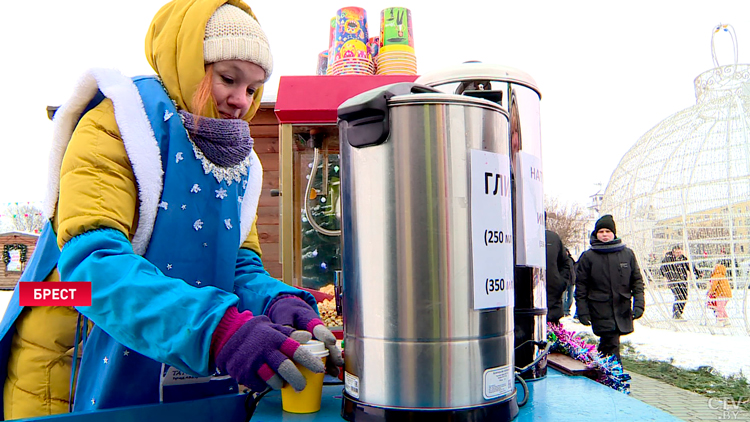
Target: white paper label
{"type": "Point", "coordinates": [531, 246]}
{"type": "Point", "coordinates": [172, 378]}
{"type": "Point", "coordinates": [491, 230]}
{"type": "Point", "coordinates": [351, 385]}
{"type": "Point", "coordinates": [176, 377]}
{"type": "Point", "coordinates": [497, 382]}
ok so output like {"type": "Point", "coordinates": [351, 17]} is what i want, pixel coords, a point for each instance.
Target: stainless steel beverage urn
{"type": "Point", "coordinates": [517, 92]}
{"type": "Point", "coordinates": [427, 257]}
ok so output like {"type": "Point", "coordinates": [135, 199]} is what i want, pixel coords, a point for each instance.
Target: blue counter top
{"type": "Point", "coordinates": [557, 398]}
{"type": "Point", "coordinates": [563, 398]}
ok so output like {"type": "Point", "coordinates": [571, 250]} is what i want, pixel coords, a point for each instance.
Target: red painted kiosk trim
{"type": "Point", "coordinates": [315, 99]}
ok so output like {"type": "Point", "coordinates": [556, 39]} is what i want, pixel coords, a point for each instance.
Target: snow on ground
{"type": "Point", "coordinates": [727, 354]}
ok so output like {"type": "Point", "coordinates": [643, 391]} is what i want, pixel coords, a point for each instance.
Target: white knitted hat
{"type": "Point", "coordinates": [232, 34]}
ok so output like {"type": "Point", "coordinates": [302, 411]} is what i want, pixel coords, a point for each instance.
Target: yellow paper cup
{"type": "Point", "coordinates": [307, 400]}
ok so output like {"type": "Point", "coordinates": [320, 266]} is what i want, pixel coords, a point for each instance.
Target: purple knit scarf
{"type": "Point", "coordinates": [225, 142]}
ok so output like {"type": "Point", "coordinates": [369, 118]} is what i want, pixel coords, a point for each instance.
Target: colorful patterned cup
{"type": "Point", "coordinates": [350, 34]}
{"type": "Point", "coordinates": [396, 27]}
{"type": "Point", "coordinates": [332, 32]}
{"type": "Point", "coordinates": [322, 63]}
{"type": "Point", "coordinates": [373, 46]}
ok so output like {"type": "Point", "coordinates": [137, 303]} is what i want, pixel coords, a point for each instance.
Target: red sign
{"type": "Point", "coordinates": [62, 293]}
{"type": "Point", "coordinates": [316, 99]}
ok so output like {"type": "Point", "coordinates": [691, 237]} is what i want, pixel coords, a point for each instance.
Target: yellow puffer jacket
{"type": "Point", "coordinates": [97, 170]}
{"type": "Point", "coordinates": [720, 287]}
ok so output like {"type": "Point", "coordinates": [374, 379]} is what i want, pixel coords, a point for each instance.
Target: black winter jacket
{"type": "Point", "coordinates": [572, 273]}
{"type": "Point", "coordinates": [558, 269]}
{"type": "Point", "coordinates": [675, 268]}
{"type": "Point", "coordinates": [609, 286]}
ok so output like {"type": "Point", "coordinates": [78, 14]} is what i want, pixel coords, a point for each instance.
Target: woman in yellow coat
{"type": "Point", "coordinates": [719, 293]}
{"type": "Point", "coordinates": [155, 206]}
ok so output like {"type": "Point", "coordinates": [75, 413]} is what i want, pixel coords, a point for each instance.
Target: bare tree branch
{"type": "Point", "coordinates": [25, 218]}
{"type": "Point", "coordinates": [566, 220]}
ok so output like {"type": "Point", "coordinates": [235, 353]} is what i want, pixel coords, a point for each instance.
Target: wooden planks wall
{"type": "Point", "coordinates": [264, 128]}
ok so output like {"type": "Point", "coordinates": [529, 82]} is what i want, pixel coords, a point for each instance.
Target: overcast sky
{"type": "Point", "coordinates": [608, 71]}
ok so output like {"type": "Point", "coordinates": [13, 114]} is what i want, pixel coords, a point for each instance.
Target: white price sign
{"type": "Point", "coordinates": [491, 230]}
{"type": "Point", "coordinates": [531, 248]}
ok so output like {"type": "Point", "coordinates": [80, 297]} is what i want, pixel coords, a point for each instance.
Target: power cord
{"type": "Point", "coordinates": [251, 402]}
{"type": "Point", "coordinates": [546, 345]}
{"type": "Point", "coordinates": [525, 390]}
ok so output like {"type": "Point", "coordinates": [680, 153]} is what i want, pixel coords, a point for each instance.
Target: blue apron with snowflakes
{"type": "Point", "coordinates": [202, 216]}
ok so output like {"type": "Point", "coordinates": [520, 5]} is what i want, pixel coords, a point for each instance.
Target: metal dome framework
{"type": "Point", "coordinates": [686, 182]}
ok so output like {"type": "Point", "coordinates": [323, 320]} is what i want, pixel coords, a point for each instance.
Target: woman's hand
{"type": "Point", "coordinates": [294, 312]}
{"type": "Point", "coordinates": [258, 353]}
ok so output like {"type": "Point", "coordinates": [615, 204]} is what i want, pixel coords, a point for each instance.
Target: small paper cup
{"type": "Point", "coordinates": [307, 400]}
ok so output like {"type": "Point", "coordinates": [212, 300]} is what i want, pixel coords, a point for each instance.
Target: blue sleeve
{"type": "Point", "coordinates": [256, 288]}
{"type": "Point", "coordinates": [160, 317]}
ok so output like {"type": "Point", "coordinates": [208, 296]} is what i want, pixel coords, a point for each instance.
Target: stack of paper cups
{"type": "Point", "coordinates": [349, 54]}
{"type": "Point", "coordinates": [330, 58]}
{"type": "Point", "coordinates": [332, 32]}
{"type": "Point", "coordinates": [322, 63]}
{"type": "Point", "coordinates": [396, 54]}
{"type": "Point", "coordinates": [396, 27]}
{"type": "Point", "coordinates": [373, 46]}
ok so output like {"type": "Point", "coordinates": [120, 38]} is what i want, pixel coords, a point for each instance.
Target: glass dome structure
{"type": "Point", "coordinates": [686, 184]}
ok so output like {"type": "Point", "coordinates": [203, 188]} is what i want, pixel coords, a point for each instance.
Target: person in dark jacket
{"type": "Point", "coordinates": [609, 287]}
{"type": "Point", "coordinates": [570, 290]}
{"type": "Point", "coordinates": [675, 268]}
{"type": "Point", "coordinates": [558, 269]}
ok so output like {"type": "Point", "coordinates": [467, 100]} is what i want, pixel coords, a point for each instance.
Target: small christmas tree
{"type": "Point", "coordinates": [321, 254]}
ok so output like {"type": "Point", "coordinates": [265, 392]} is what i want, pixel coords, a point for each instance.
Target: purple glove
{"type": "Point", "coordinates": [256, 352]}
{"type": "Point", "coordinates": [292, 311]}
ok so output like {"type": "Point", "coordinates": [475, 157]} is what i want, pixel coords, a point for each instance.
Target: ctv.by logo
{"type": "Point", "coordinates": [730, 408]}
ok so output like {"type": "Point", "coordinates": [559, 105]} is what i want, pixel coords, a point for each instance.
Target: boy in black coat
{"type": "Point", "coordinates": [609, 287]}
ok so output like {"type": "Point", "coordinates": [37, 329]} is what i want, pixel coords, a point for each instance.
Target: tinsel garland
{"type": "Point", "coordinates": [7, 248]}
{"type": "Point", "coordinates": [608, 368]}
